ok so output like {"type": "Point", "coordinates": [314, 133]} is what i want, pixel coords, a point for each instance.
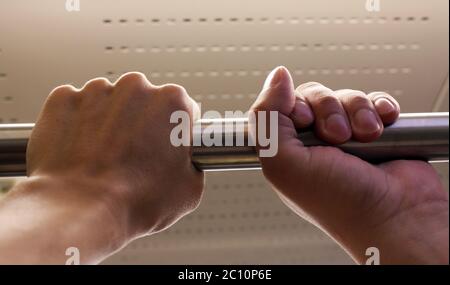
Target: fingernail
{"type": "Point", "coordinates": [337, 125]}
{"type": "Point", "coordinates": [384, 106]}
{"type": "Point", "coordinates": [365, 121]}
{"type": "Point", "coordinates": [274, 77]}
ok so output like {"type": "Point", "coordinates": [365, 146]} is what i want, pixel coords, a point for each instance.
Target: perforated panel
{"type": "Point", "coordinates": [221, 52]}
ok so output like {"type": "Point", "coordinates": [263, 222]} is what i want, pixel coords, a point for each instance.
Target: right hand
{"type": "Point", "coordinates": [400, 207]}
{"type": "Point", "coordinates": [107, 146]}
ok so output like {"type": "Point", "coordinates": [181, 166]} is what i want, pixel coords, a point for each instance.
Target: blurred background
{"type": "Point", "coordinates": [221, 52]}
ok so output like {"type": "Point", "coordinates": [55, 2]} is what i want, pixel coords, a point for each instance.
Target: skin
{"type": "Point", "coordinates": [400, 207]}
{"type": "Point", "coordinates": [101, 173]}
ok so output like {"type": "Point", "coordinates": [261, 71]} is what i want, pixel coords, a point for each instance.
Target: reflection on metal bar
{"type": "Point", "coordinates": [422, 136]}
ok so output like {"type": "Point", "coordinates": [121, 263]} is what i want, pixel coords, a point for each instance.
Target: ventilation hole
{"type": "Point", "coordinates": [264, 20]}
{"type": "Point", "coordinates": [366, 71]}
{"type": "Point", "coordinates": [2, 75]}
{"type": "Point", "coordinates": [233, 20]}
{"type": "Point", "coordinates": [248, 19]}
{"type": "Point", "coordinates": [275, 48]}
{"type": "Point", "coordinates": [156, 21]}
{"type": "Point", "coordinates": [107, 21]}
{"type": "Point", "coordinates": [410, 19]}
{"type": "Point", "coordinates": [325, 71]}
{"type": "Point", "coordinates": [324, 21]}
{"type": "Point", "coordinates": [406, 70]}
{"type": "Point", "coordinates": [8, 98]}
{"type": "Point", "coordinates": [124, 49]}
{"type": "Point", "coordinates": [382, 20]}
{"type": "Point", "coordinates": [387, 46]}
{"type": "Point", "coordinates": [200, 49]}
{"type": "Point", "coordinates": [353, 71]}
{"type": "Point", "coordinates": [170, 49]}
{"type": "Point", "coordinates": [415, 47]}
{"type": "Point", "coordinates": [345, 47]}
{"type": "Point", "coordinates": [187, 20]}
{"type": "Point", "coordinates": [353, 21]}
{"type": "Point", "coordinates": [339, 21]}
{"type": "Point", "coordinates": [339, 71]}
{"type": "Point", "coordinates": [368, 21]}
{"type": "Point", "coordinates": [401, 46]}
{"type": "Point", "coordinates": [216, 48]}
{"type": "Point", "coordinates": [13, 120]}
{"type": "Point", "coordinates": [218, 20]}
{"type": "Point", "coordinates": [123, 21]}
{"type": "Point", "coordinates": [140, 21]}
{"type": "Point", "coordinates": [393, 70]}
{"type": "Point", "coordinates": [318, 46]}
{"type": "Point", "coordinates": [360, 47]}
{"type": "Point", "coordinates": [139, 50]}
{"type": "Point", "coordinates": [425, 18]}
{"type": "Point", "coordinates": [242, 73]}
{"type": "Point", "coordinates": [110, 73]}
{"type": "Point", "coordinates": [256, 73]}
{"type": "Point", "coordinates": [245, 48]}
{"type": "Point", "coordinates": [303, 47]}
{"type": "Point", "coordinates": [1, 121]}
{"type": "Point", "coordinates": [294, 21]}
{"type": "Point", "coordinates": [155, 49]}
{"type": "Point", "coordinates": [171, 21]}
{"type": "Point", "coordinates": [309, 21]}
{"type": "Point", "coordinates": [213, 73]}
{"type": "Point", "coordinates": [279, 21]}
{"type": "Point", "coordinates": [379, 71]}
{"type": "Point", "coordinates": [109, 48]}
{"type": "Point", "coordinates": [332, 47]}
{"type": "Point", "coordinates": [230, 48]}
{"type": "Point", "coordinates": [289, 47]}
{"type": "Point", "coordinates": [397, 19]}
{"type": "Point", "coordinates": [186, 49]}
{"type": "Point", "coordinates": [202, 20]}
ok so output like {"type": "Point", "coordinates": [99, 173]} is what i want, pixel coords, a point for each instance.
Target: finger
{"type": "Point", "coordinates": [302, 114]}
{"type": "Point", "coordinates": [387, 107]}
{"type": "Point", "coordinates": [331, 122]}
{"type": "Point", "coordinates": [364, 120]}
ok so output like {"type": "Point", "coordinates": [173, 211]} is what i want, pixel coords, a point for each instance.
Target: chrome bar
{"type": "Point", "coordinates": [423, 136]}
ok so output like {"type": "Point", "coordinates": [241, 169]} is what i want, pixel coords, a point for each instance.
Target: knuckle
{"type": "Point", "coordinates": [100, 83]}
{"type": "Point", "coordinates": [308, 85]}
{"type": "Point", "coordinates": [175, 95]}
{"type": "Point", "coordinates": [326, 101]}
{"type": "Point", "coordinates": [133, 80]}
{"type": "Point", "coordinates": [172, 90]}
{"type": "Point", "coordinates": [63, 93]}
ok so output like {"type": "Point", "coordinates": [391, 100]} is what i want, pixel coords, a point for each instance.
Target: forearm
{"type": "Point", "coordinates": [42, 217]}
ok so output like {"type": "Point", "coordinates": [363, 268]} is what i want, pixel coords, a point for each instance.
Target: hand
{"type": "Point", "coordinates": [101, 161]}
{"type": "Point", "coordinates": [400, 207]}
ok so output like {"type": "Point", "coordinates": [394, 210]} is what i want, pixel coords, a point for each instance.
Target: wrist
{"type": "Point", "coordinates": [89, 216]}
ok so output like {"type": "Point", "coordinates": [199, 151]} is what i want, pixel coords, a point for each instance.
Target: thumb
{"type": "Point", "coordinates": [278, 95]}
